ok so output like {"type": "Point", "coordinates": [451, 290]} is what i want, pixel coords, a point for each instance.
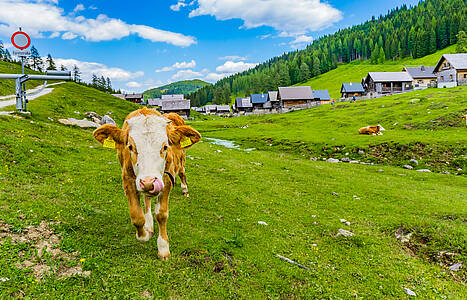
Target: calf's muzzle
{"type": "Point", "coordinates": [151, 185]}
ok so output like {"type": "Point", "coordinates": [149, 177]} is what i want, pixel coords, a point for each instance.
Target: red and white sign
{"type": "Point", "coordinates": [20, 40]}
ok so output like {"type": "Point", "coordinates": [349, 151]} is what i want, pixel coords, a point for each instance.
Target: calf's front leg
{"type": "Point", "coordinates": [136, 212]}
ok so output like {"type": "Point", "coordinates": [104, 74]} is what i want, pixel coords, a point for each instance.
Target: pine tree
{"type": "Point", "coordinates": [316, 66]}
{"type": "Point", "coordinates": [50, 63]}
{"type": "Point", "coordinates": [304, 72]}
{"type": "Point", "coordinates": [2, 51]}
{"type": "Point", "coordinates": [94, 81]}
{"type": "Point", "coordinates": [76, 74]}
{"type": "Point", "coordinates": [461, 42]}
{"type": "Point", "coordinates": [63, 68]}
{"type": "Point", "coordinates": [381, 56]}
{"type": "Point", "coordinates": [7, 56]}
{"type": "Point", "coordinates": [36, 60]}
{"type": "Point", "coordinates": [109, 85]}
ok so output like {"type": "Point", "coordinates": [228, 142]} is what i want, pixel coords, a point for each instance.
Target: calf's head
{"type": "Point", "coordinates": [144, 144]}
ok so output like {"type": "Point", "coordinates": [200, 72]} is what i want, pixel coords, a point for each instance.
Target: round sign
{"type": "Point", "coordinates": [20, 40]}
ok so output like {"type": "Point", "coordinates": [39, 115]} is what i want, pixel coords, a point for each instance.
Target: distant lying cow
{"type": "Point", "coordinates": [372, 130]}
{"type": "Point", "coordinates": [464, 117]}
{"type": "Point", "coordinates": [151, 150]}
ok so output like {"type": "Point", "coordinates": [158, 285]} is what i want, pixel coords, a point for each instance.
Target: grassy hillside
{"type": "Point", "coordinates": [414, 122]}
{"type": "Point", "coordinates": [356, 70]}
{"type": "Point", "coordinates": [181, 87]}
{"type": "Point", "coordinates": [59, 175]}
{"type": "Point", "coordinates": [7, 87]}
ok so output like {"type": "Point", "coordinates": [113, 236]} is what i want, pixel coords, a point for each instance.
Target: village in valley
{"type": "Point", "coordinates": [450, 71]}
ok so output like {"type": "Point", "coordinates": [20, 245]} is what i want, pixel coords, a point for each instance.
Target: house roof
{"type": "Point", "coordinates": [243, 102]}
{"type": "Point", "coordinates": [133, 96]}
{"type": "Point", "coordinates": [223, 108]}
{"type": "Point", "coordinates": [155, 102]}
{"type": "Point", "coordinates": [259, 98]}
{"type": "Point", "coordinates": [352, 88]}
{"type": "Point", "coordinates": [296, 93]}
{"type": "Point", "coordinates": [421, 72]}
{"type": "Point", "coordinates": [210, 107]}
{"type": "Point", "coordinates": [173, 97]}
{"type": "Point", "coordinates": [390, 76]}
{"type": "Point", "coordinates": [168, 105]}
{"type": "Point", "coordinates": [458, 61]}
{"type": "Point", "coordinates": [321, 94]}
{"type": "Point", "coordinates": [273, 96]}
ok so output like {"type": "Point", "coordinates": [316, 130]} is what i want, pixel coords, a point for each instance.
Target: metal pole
{"type": "Point", "coordinates": [23, 94]}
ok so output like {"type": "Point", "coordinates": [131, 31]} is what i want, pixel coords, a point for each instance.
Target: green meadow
{"type": "Point", "coordinates": [61, 176]}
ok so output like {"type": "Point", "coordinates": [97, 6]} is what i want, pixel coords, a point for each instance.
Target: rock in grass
{"type": "Point", "coordinates": [354, 162]}
{"type": "Point", "coordinates": [107, 120]}
{"type": "Point", "coordinates": [335, 194]}
{"type": "Point", "coordinates": [445, 172]}
{"type": "Point", "coordinates": [423, 170]}
{"type": "Point", "coordinates": [332, 160]}
{"type": "Point", "coordinates": [262, 223]}
{"type": "Point", "coordinates": [414, 161]}
{"type": "Point", "coordinates": [408, 167]}
{"type": "Point", "coordinates": [402, 236]}
{"type": "Point", "coordinates": [456, 267]}
{"type": "Point", "coordinates": [361, 152]}
{"type": "Point", "coordinates": [410, 292]}
{"type": "Point", "coordinates": [344, 232]}
{"type": "Point", "coordinates": [345, 159]}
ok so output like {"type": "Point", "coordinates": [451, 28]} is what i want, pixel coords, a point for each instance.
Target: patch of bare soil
{"type": "Point", "coordinates": [44, 239]}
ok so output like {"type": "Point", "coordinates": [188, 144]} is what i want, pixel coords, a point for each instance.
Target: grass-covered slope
{"type": "Point", "coordinates": [50, 172]}
{"type": "Point", "coordinates": [356, 70]}
{"type": "Point", "coordinates": [7, 86]}
{"type": "Point", "coordinates": [180, 87]}
{"type": "Point", "coordinates": [424, 125]}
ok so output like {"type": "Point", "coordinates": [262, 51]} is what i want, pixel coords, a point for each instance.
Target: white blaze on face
{"type": "Point", "coordinates": [150, 135]}
{"type": "Point", "coordinates": [381, 128]}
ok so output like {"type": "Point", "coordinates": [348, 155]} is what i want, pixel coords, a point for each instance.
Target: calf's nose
{"type": "Point", "coordinates": [151, 185]}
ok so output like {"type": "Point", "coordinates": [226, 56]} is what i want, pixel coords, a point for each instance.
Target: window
{"type": "Point", "coordinates": [450, 77]}
{"type": "Point", "coordinates": [465, 75]}
{"type": "Point", "coordinates": [442, 78]}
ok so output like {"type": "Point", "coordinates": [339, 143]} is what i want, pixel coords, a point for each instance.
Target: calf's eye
{"type": "Point", "coordinates": [166, 147]}
{"type": "Point", "coordinates": [130, 147]}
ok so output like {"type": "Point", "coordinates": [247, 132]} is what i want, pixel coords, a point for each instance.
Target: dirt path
{"type": "Point", "coordinates": [45, 91]}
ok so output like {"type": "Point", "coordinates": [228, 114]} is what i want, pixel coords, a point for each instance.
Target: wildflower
{"type": "Point", "coordinates": [82, 260]}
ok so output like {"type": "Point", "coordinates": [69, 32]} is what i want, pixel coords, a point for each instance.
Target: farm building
{"type": "Point", "coordinates": [135, 98]}
{"type": "Point", "coordinates": [121, 96]}
{"type": "Point", "coordinates": [243, 105]}
{"type": "Point", "coordinates": [273, 102]}
{"type": "Point", "coordinates": [322, 96]}
{"type": "Point", "coordinates": [210, 109]}
{"type": "Point", "coordinates": [423, 77]}
{"type": "Point", "coordinates": [181, 107]}
{"type": "Point", "coordinates": [296, 96]}
{"type": "Point", "coordinates": [258, 100]}
{"type": "Point", "coordinates": [351, 89]}
{"type": "Point", "coordinates": [173, 97]}
{"type": "Point", "coordinates": [388, 82]}
{"type": "Point", "coordinates": [223, 109]}
{"type": "Point", "coordinates": [155, 102]}
{"type": "Point", "coordinates": [451, 70]}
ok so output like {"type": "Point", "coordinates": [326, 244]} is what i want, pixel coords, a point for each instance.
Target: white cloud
{"type": "Point", "coordinates": [133, 84]}
{"type": "Point", "coordinates": [235, 67]}
{"type": "Point", "coordinates": [232, 57]}
{"type": "Point", "coordinates": [53, 19]}
{"type": "Point", "coordinates": [78, 8]}
{"type": "Point", "coordinates": [296, 18]}
{"type": "Point", "coordinates": [213, 77]}
{"type": "Point", "coordinates": [89, 68]}
{"type": "Point", "coordinates": [178, 65]}
{"type": "Point", "coordinates": [301, 40]}
{"type": "Point", "coordinates": [176, 7]}
{"type": "Point", "coordinates": [186, 75]}
{"type": "Point", "coordinates": [68, 35]}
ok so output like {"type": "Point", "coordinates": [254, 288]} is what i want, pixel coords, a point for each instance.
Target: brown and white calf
{"type": "Point", "coordinates": [464, 117]}
{"type": "Point", "coordinates": [151, 150]}
{"type": "Point", "coordinates": [372, 130]}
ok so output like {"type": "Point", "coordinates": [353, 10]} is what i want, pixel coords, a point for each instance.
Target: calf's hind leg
{"type": "Point", "coordinates": [183, 183]}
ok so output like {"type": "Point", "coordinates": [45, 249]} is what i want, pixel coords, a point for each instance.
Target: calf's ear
{"type": "Point", "coordinates": [183, 136]}
{"type": "Point", "coordinates": [104, 132]}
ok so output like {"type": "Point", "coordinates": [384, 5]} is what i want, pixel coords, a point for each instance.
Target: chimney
{"type": "Point", "coordinates": [423, 68]}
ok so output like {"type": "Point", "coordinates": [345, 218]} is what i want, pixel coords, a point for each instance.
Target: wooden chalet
{"type": "Point", "coordinates": [296, 96]}
{"type": "Point", "coordinates": [322, 96]}
{"type": "Point", "coordinates": [422, 77]}
{"type": "Point", "coordinates": [351, 89]}
{"type": "Point", "coordinates": [388, 82]}
{"type": "Point", "coordinates": [181, 107]}
{"type": "Point", "coordinates": [135, 98]}
{"type": "Point", "coordinates": [258, 100]}
{"type": "Point", "coordinates": [243, 105]}
{"type": "Point", "coordinates": [451, 70]}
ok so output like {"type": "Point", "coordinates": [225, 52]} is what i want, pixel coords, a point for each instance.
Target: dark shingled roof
{"type": "Point", "coordinates": [352, 88]}
{"type": "Point", "coordinates": [421, 72]}
{"type": "Point", "coordinates": [390, 76]}
{"type": "Point", "coordinates": [133, 96]}
{"type": "Point", "coordinates": [259, 98]}
{"type": "Point", "coordinates": [168, 105]}
{"type": "Point", "coordinates": [321, 94]}
{"type": "Point", "coordinates": [173, 97]}
{"type": "Point", "coordinates": [296, 93]}
{"type": "Point", "coordinates": [243, 102]}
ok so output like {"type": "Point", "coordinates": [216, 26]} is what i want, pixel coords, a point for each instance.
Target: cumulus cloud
{"type": "Point", "coordinates": [235, 67]}
{"type": "Point", "coordinates": [297, 18]}
{"type": "Point", "coordinates": [213, 77]}
{"type": "Point", "coordinates": [89, 68]}
{"type": "Point", "coordinates": [53, 19]}
{"type": "Point", "coordinates": [133, 84]}
{"type": "Point", "coordinates": [78, 8]}
{"type": "Point", "coordinates": [176, 7]}
{"type": "Point", "coordinates": [301, 41]}
{"type": "Point", "coordinates": [186, 75]}
{"type": "Point", "coordinates": [178, 65]}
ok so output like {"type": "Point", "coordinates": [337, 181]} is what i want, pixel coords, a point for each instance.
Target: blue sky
{"type": "Point", "coordinates": [144, 44]}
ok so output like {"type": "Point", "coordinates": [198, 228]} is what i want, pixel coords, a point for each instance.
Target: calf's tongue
{"type": "Point", "coordinates": [158, 186]}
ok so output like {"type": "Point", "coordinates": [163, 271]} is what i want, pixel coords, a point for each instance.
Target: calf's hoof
{"type": "Point", "coordinates": [163, 257]}
{"type": "Point", "coordinates": [163, 249]}
{"type": "Point", "coordinates": [186, 194]}
{"type": "Point", "coordinates": [144, 238]}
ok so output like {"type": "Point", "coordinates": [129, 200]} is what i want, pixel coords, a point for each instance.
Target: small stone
{"type": "Point", "coordinates": [456, 267]}
{"type": "Point", "coordinates": [408, 167]}
{"type": "Point", "coordinates": [410, 292]}
{"type": "Point", "coordinates": [262, 223]}
{"type": "Point", "coordinates": [219, 151]}
{"type": "Point", "coordinates": [445, 172]}
{"type": "Point", "coordinates": [335, 194]}
{"type": "Point", "coordinates": [332, 160]}
{"type": "Point", "coordinates": [361, 152]}
{"type": "Point", "coordinates": [107, 120]}
{"type": "Point", "coordinates": [314, 245]}
{"type": "Point", "coordinates": [423, 170]}
{"type": "Point", "coordinates": [91, 147]}
{"type": "Point", "coordinates": [324, 158]}
{"type": "Point", "coordinates": [414, 161]}
{"type": "Point", "coordinates": [380, 170]}
{"type": "Point", "coordinates": [402, 236]}
{"type": "Point", "coordinates": [345, 159]}
{"type": "Point", "coordinates": [313, 216]}
{"type": "Point", "coordinates": [354, 162]}
{"type": "Point", "coordinates": [343, 220]}
{"type": "Point", "coordinates": [347, 223]}
{"type": "Point", "coordinates": [3, 279]}
{"type": "Point", "coordinates": [344, 232]}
